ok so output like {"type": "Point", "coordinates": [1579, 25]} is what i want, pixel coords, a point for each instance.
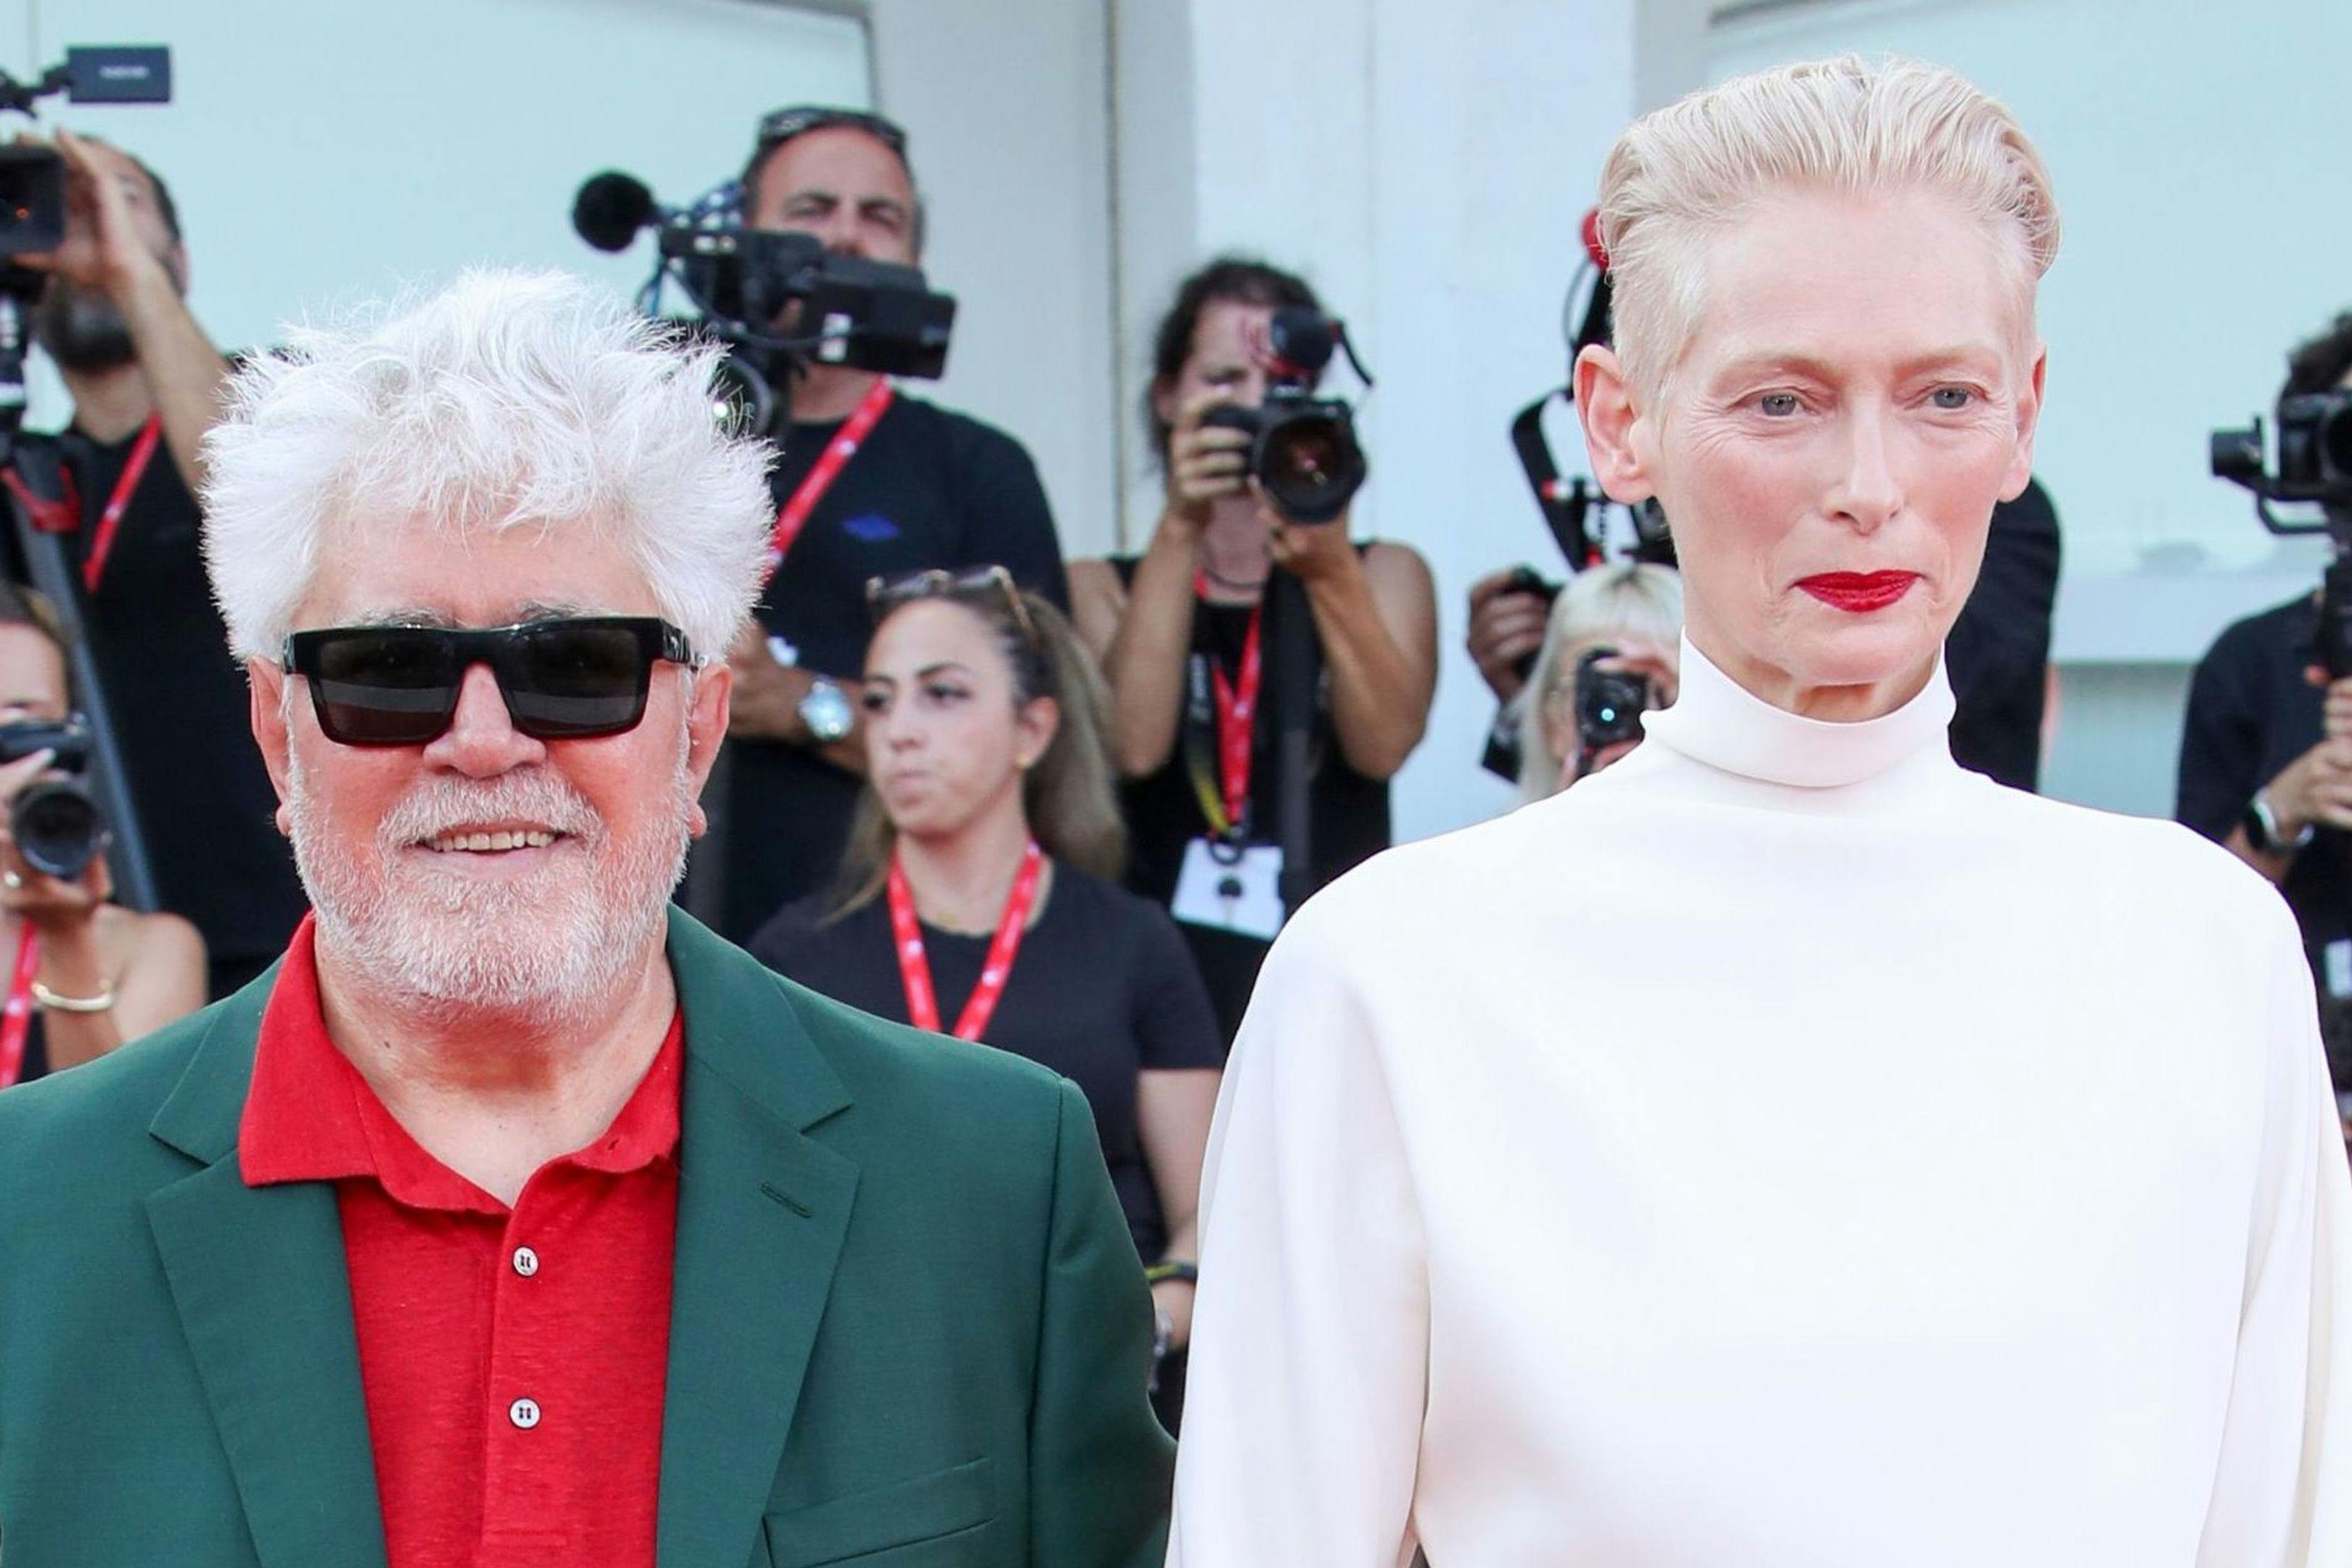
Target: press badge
{"type": "Point", "coordinates": [1233, 888]}
{"type": "Point", "coordinates": [2336, 959]}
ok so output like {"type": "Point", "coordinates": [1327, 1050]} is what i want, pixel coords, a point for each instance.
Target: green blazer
{"type": "Point", "coordinates": [908, 1327]}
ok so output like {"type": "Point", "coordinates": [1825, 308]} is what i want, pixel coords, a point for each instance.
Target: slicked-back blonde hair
{"type": "Point", "coordinates": [1682, 173]}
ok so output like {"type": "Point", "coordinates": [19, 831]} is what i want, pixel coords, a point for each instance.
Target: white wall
{"type": "Point", "coordinates": [1426, 169]}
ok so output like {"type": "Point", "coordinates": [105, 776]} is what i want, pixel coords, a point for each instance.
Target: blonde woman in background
{"type": "Point", "coordinates": [1634, 610]}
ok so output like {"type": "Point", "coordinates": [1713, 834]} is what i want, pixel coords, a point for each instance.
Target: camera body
{"type": "Point", "coordinates": [1303, 449]}
{"type": "Point", "coordinates": [1609, 703]}
{"type": "Point", "coordinates": [33, 179]}
{"type": "Point", "coordinates": [54, 820]}
{"type": "Point", "coordinates": [779, 299]}
{"type": "Point", "coordinates": [2314, 465]}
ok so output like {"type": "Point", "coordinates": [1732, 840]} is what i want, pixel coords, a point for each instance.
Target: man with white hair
{"type": "Point", "coordinates": [515, 1218]}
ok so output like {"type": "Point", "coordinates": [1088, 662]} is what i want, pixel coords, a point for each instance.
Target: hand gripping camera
{"type": "Point", "coordinates": [56, 826]}
{"type": "Point", "coordinates": [2314, 464]}
{"type": "Point", "coordinates": [1303, 450]}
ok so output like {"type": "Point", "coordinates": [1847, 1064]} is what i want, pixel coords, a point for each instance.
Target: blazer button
{"type": "Point", "coordinates": [524, 1413]}
{"type": "Point", "coordinates": [526, 1261]}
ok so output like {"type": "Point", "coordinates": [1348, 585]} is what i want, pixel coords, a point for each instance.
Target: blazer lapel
{"type": "Point", "coordinates": [762, 1213]}
{"type": "Point", "coordinates": [257, 1277]}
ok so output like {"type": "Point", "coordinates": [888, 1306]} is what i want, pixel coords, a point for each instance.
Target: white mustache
{"type": "Point", "coordinates": [440, 805]}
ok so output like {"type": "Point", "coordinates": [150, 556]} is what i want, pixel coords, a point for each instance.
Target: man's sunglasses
{"type": "Point", "coordinates": [568, 679]}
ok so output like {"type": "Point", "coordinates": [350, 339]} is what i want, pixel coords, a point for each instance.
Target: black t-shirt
{"type": "Point", "coordinates": [929, 487]}
{"type": "Point", "coordinates": [181, 712]}
{"type": "Point", "coordinates": [1101, 990]}
{"type": "Point", "coordinates": [2250, 713]}
{"type": "Point", "coordinates": [1348, 812]}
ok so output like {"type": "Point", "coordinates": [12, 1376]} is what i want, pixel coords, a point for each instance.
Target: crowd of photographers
{"type": "Point", "coordinates": [933, 706]}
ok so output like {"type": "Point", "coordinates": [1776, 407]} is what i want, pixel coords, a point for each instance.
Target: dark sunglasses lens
{"type": "Point", "coordinates": [388, 688]}
{"type": "Point", "coordinates": [570, 681]}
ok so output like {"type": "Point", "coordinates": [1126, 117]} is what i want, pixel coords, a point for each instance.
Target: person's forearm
{"type": "Point", "coordinates": [184, 373]}
{"type": "Point", "coordinates": [70, 967]}
{"type": "Point", "coordinates": [1380, 703]}
{"type": "Point", "coordinates": [769, 710]}
{"type": "Point", "coordinates": [1145, 667]}
{"type": "Point", "coordinates": [2275, 866]}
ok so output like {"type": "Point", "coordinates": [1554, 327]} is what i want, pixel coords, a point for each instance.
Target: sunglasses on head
{"type": "Point", "coordinates": [563, 680]}
{"type": "Point", "coordinates": [884, 594]}
{"type": "Point", "coordinates": [781, 125]}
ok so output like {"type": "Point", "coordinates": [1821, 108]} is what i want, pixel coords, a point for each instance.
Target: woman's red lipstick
{"type": "Point", "coordinates": [1859, 593]}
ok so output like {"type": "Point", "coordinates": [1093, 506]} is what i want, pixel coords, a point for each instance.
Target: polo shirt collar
{"type": "Point", "coordinates": [311, 1117]}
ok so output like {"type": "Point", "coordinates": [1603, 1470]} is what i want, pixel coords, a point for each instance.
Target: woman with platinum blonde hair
{"type": "Point", "coordinates": [1891, 1167]}
{"type": "Point", "coordinates": [1625, 619]}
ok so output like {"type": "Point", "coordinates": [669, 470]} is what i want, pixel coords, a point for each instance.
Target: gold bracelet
{"type": "Point", "coordinates": [54, 1003]}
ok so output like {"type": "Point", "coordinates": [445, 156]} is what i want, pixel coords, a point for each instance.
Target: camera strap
{"type": "Point", "coordinates": [1226, 709]}
{"type": "Point", "coordinates": [117, 501]}
{"type": "Point", "coordinates": [915, 967]}
{"type": "Point", "coordinates": [16, 1020]}
{"type": "Point", "coordinates": [794, 515]}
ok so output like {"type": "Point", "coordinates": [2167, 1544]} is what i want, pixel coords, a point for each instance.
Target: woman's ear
{"type": "Point", "coordinates": [1164, 400]}
{"type": "Point", "coordinates": [1038, 723]}
{"type": "Point", "coordinates": [1604, 401]}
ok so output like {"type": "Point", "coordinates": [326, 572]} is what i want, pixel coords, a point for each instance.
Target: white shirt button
{"type": "Point", "coordinates": [526, 1261]}
{"type": "Point", "coordinates": [524, 1413]}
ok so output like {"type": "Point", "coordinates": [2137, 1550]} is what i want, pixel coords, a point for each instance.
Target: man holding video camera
{"type": "Point", "coordinates": [872, 484]}
{"type": "Point", "coordinates": [2267, 748]}
{"type": "Point", "coordinates": [145, 383]}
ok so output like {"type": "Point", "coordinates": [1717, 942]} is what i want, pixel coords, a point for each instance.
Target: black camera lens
{"type": "Point", "coordinates": [57, 828]}
{"type": "Point", "coordinates": [1309, 463]}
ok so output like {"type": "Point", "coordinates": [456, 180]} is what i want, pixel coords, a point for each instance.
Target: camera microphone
{"type": "Point", "coordinates": [611, 208]}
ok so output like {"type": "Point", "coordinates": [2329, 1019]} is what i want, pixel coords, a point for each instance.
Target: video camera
{"type": "Point", "coordinates": [33, 186]}
{"type": "Point", "coordinates": [2314, 464]}
{"type": "Point", "coordinates": [54, 820]}
{"type": "Point", "coordinates": [1303, 450]}
{"type": "Point", "coordinates": [780, 300]}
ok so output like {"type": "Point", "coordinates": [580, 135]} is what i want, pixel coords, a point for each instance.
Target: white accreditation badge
{"type": "Point", "coordinates": [2335, 960]}
{"type": "Point", "coordinates": [1234, 887]}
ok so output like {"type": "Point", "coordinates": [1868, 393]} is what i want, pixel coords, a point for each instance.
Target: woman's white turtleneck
{"type": "Point", "coordinates": [1783, 1148]}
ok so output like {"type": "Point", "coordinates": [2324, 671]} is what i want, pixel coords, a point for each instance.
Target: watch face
{"type": "Point", "coordinates": [826, 713]}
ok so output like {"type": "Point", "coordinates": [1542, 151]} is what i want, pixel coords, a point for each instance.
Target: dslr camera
{"type": "Point", "coordinates": [56, 824]}
{"type": "Point", "coordinates": [780, 300]}
{"type": "Point", "coordinates": [1609, 703]}
{"type": "Point", "coordinates": [1303, 449]}
{"type": "Point", "coordinates": [2314, 464]}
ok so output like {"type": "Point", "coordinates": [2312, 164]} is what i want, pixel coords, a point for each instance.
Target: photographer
{"type": "Point", "coordinates": [2266, 750]}
{"type": "Point", "coordinates": [1187, 615]}
{"type": "Point", "coordinates": [1998, 656]}
{"type": "Point", "coordinates": [1631, 617]}
{"type": "Point", "coordinates": [872, 482]}
{"type": "Point", "coordinates": [86, 975]}
{"type": "Point", "coordinates": [145, 386]}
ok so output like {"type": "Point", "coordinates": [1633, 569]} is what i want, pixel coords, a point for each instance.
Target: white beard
{"type": "Point", "coordinates": [545, 950]}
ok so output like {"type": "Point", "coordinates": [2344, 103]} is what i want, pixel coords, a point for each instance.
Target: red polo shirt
{"type": "Point", "coordinates": [512, 1360]}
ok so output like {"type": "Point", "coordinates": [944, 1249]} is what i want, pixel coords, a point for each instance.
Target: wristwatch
{"type": "Point", "coordinates": [826, 711]}
{"type": "Point", "coordinates": [2262, 829]}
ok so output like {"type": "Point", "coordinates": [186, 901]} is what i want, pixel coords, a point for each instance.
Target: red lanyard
{"type": "Point", "coordinates": [915, 969]}
{"type": "Point", "coordinates": [829, 464]}
{"type": "Point", "coordinates": [101, 543]}
{"type": "Point", "coordinates": [16, 1020]}
{"type": "Point", "coordinates": [1237, 716]}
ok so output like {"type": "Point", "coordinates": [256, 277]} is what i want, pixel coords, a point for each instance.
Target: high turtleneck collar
{"type": "Point", "coordinates": [1718, 721]}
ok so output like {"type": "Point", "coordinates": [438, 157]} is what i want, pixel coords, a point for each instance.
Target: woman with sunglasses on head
{"type": "Point", "coordinates": [977, 897]}
{"type": "Point", "coordinates": [88, 973]}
